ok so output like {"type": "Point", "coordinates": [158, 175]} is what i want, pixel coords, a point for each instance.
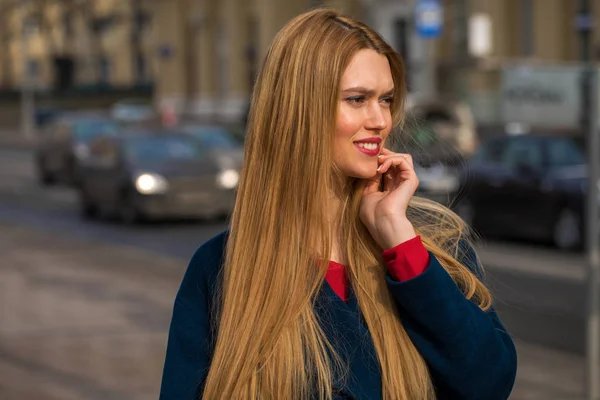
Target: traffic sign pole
{"type": "Point", "coordinates": [584, 23]}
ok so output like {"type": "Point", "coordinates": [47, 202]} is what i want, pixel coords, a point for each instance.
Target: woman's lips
{"type": "Point", "coordinates": [369, 152]}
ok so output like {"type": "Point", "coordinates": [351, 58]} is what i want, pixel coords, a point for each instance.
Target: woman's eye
{"type": "Point", "coordinates": [356, 99]}
{"type": "Point", "coordinates": [387, 100]}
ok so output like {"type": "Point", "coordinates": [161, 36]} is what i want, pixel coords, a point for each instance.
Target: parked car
{"type": "Point", "coordinates": [128, 111]}
{"type": "Point", "coordinates": [143, 175]}
{"type": "Point", "coordinates": [441, 123]}
{"type": "Point", "coordinates": [529, 186]}
{"type": "Point", "coordinates": [64, 144]}
{"type": "Point", "coordinates": [438, 176]}
{"type": "Point", "coordinates": [218, 140]}
{"type": "Point", "coordinates": [440, 134]}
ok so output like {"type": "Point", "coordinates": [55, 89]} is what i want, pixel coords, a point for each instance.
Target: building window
{"type": "Point", "coordinates": [68, 23]}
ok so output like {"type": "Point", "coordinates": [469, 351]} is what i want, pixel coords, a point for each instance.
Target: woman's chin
{"type": "Point", "coordinates": [364, 174]}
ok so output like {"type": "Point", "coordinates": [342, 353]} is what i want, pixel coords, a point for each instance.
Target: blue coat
{"type": "Point", "coordinates": [469, 353]}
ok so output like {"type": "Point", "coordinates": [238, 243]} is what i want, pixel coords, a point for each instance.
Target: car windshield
{"type": "Point", "coordinates": [214, 137]}
{"type": "Point", "coordinates": [162, 148]}
{"type": "Point", "coordinates": [87, 130]}
{"type": "Point", "coordinates": [135, 103]}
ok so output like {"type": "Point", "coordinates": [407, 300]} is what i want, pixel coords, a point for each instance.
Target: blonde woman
{"type": "Point", "coordinates": [333, 281]}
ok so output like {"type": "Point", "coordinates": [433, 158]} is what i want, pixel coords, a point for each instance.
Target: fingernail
{"type": "Point", "coordinates": [379, 168]}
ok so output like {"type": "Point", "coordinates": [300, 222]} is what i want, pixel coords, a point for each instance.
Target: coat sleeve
{"type": "Point", "coordinates": [189, 346]}
{"type": "Point", "coordinates": [469, 352]}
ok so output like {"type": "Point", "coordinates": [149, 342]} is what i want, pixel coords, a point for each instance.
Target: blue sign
{"type": "Point", "coordinates": [429, 18]}
{"type": "Point", "coordinates": [165, 51]}
{"type": "Point", "coordinates": [584, 22]}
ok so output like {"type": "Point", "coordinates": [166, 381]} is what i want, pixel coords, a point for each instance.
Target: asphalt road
{"type": "Point", "coordinates": [540, 293]}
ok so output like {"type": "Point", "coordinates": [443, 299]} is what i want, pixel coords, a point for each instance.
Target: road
{"type": "Point", "coordinates": [540, 293]}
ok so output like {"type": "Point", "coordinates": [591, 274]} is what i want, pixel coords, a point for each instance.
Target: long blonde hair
{"type": "Point", "coordinates": [270, 344]}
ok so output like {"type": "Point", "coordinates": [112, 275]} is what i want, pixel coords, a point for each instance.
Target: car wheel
{"type": "Point", "coordinates": [88, 208]}
{"type": "Point", "coordinates": [567, 232]}
{"type": "Point", "coordinates": [128, 209]}
{"type": "Point", "coordinates": [465, 210]}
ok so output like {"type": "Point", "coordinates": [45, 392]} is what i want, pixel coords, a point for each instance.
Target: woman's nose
{"type": "Point", "coordinates": [376, 119]}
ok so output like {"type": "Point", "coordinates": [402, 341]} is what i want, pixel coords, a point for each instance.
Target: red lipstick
{"type": "Point", "coordinates": [370, 150]}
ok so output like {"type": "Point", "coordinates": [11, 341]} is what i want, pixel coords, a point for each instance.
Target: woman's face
{"type": "Point", "coordinates": [364, 117]}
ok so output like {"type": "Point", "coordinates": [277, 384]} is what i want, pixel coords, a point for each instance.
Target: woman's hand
{"type": "Point", "coordinates": [384, 213]}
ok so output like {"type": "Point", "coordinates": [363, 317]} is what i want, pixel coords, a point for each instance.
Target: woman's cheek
{"type": "Point", "coordinates": [348, 124]}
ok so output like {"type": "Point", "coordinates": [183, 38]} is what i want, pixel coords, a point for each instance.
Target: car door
{"type": "Point", "coordinates": [522, 192]}
{"type": "Point", "coordinates": [485, 181]}
{"type": "Point", "coordinates": [566, 179]}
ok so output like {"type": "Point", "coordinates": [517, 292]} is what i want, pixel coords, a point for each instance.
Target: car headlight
{"type": "Point", "coordinates": [81, 151]}
{"type": "Point", "coordinates": [228, 179]}
{"type": "Point", "coordinates": [148, 183]}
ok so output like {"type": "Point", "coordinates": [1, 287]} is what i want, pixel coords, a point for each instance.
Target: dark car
{"type": "Point", "coordinates": [64, 144]}
{"type": "Point", "coordinates": [218, 140]}
{"type": "Point", "coordinates": [152, 174]}
{"type": "Point", "coordinates": [437, 162]}
{"type": "Point", "coordinates": [530, 186]}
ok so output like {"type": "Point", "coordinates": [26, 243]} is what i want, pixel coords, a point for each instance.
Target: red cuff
{"type": "Point", "coordinates": [407, 260]}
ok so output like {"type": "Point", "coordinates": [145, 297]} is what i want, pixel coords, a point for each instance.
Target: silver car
{"type": "Point", "coordinates": [144, 175]}
{"type": "Point", "coordinates": [63, 144]}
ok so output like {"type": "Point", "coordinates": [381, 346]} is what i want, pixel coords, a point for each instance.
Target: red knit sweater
{"type": "Point", "coordinates": [405, 261]}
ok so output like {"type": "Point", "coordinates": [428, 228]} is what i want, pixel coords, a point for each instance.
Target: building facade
{"type": "Point", "coordinates": [201, 56]}
{"type": "Point", "coordinates": [78, 43]}
{"type": "Point", "coordinates": [210, 51]}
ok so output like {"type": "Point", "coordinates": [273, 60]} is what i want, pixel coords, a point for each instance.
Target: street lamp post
{"type": "Point", "coordinates": [584, 23]}
{"type": "Point", "coordinates": [27, 89]}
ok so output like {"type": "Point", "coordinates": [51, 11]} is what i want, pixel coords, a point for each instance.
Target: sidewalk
{"type": "Point", "coordinates": [11, 137]}
{"type": "Point", "coordinates": [86, 320]}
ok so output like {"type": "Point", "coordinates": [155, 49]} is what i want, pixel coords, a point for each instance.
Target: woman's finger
{"type": "Point", "coordinates": [370, 185]}
{"type": "Point", "coordinates": [397, 160]}
{"type": "Point", "coordinates": [390, 154]}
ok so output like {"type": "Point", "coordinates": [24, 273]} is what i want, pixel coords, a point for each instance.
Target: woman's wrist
{"type": "Point", "coordinates": [398, 232]}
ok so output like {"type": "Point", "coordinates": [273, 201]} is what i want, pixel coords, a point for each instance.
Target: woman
{"type": "Point", "coordinates": [333, 280]}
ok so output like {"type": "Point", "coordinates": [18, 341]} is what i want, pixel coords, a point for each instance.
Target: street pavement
{"type": "Point", "coordinates": [105, 287]}
{"type": "Point", "coordinates": [81, 319]}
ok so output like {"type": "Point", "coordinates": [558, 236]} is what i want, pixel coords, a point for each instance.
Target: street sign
{"type": "Point", "coordinates": [584, 22]}
{"type": "Point", "coordinates": [165, 51]}
{"type": "Point", "coordinates": [429, 18]}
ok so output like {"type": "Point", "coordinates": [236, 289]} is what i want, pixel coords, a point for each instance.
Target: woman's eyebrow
{"type": "Point", "coordinates": [367, 92]}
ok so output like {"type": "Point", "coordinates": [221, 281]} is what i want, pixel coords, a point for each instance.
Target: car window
{"type": "Point", "coordinates": [523, 151]}
{"type": "Point", "coordinates": [564, 153]}
{"type": "Point", "coordinates": [491, 151]}
{"type": "Point", "coordinates": [87, 130]}
{"type": "Point", "coordinates": [214, 138]}
{"type": "Point", "coordinates": [162, 148]}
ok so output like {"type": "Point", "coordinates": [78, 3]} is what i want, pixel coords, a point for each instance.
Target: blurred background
{"type": "Point", "coordinates": [121, 133]}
